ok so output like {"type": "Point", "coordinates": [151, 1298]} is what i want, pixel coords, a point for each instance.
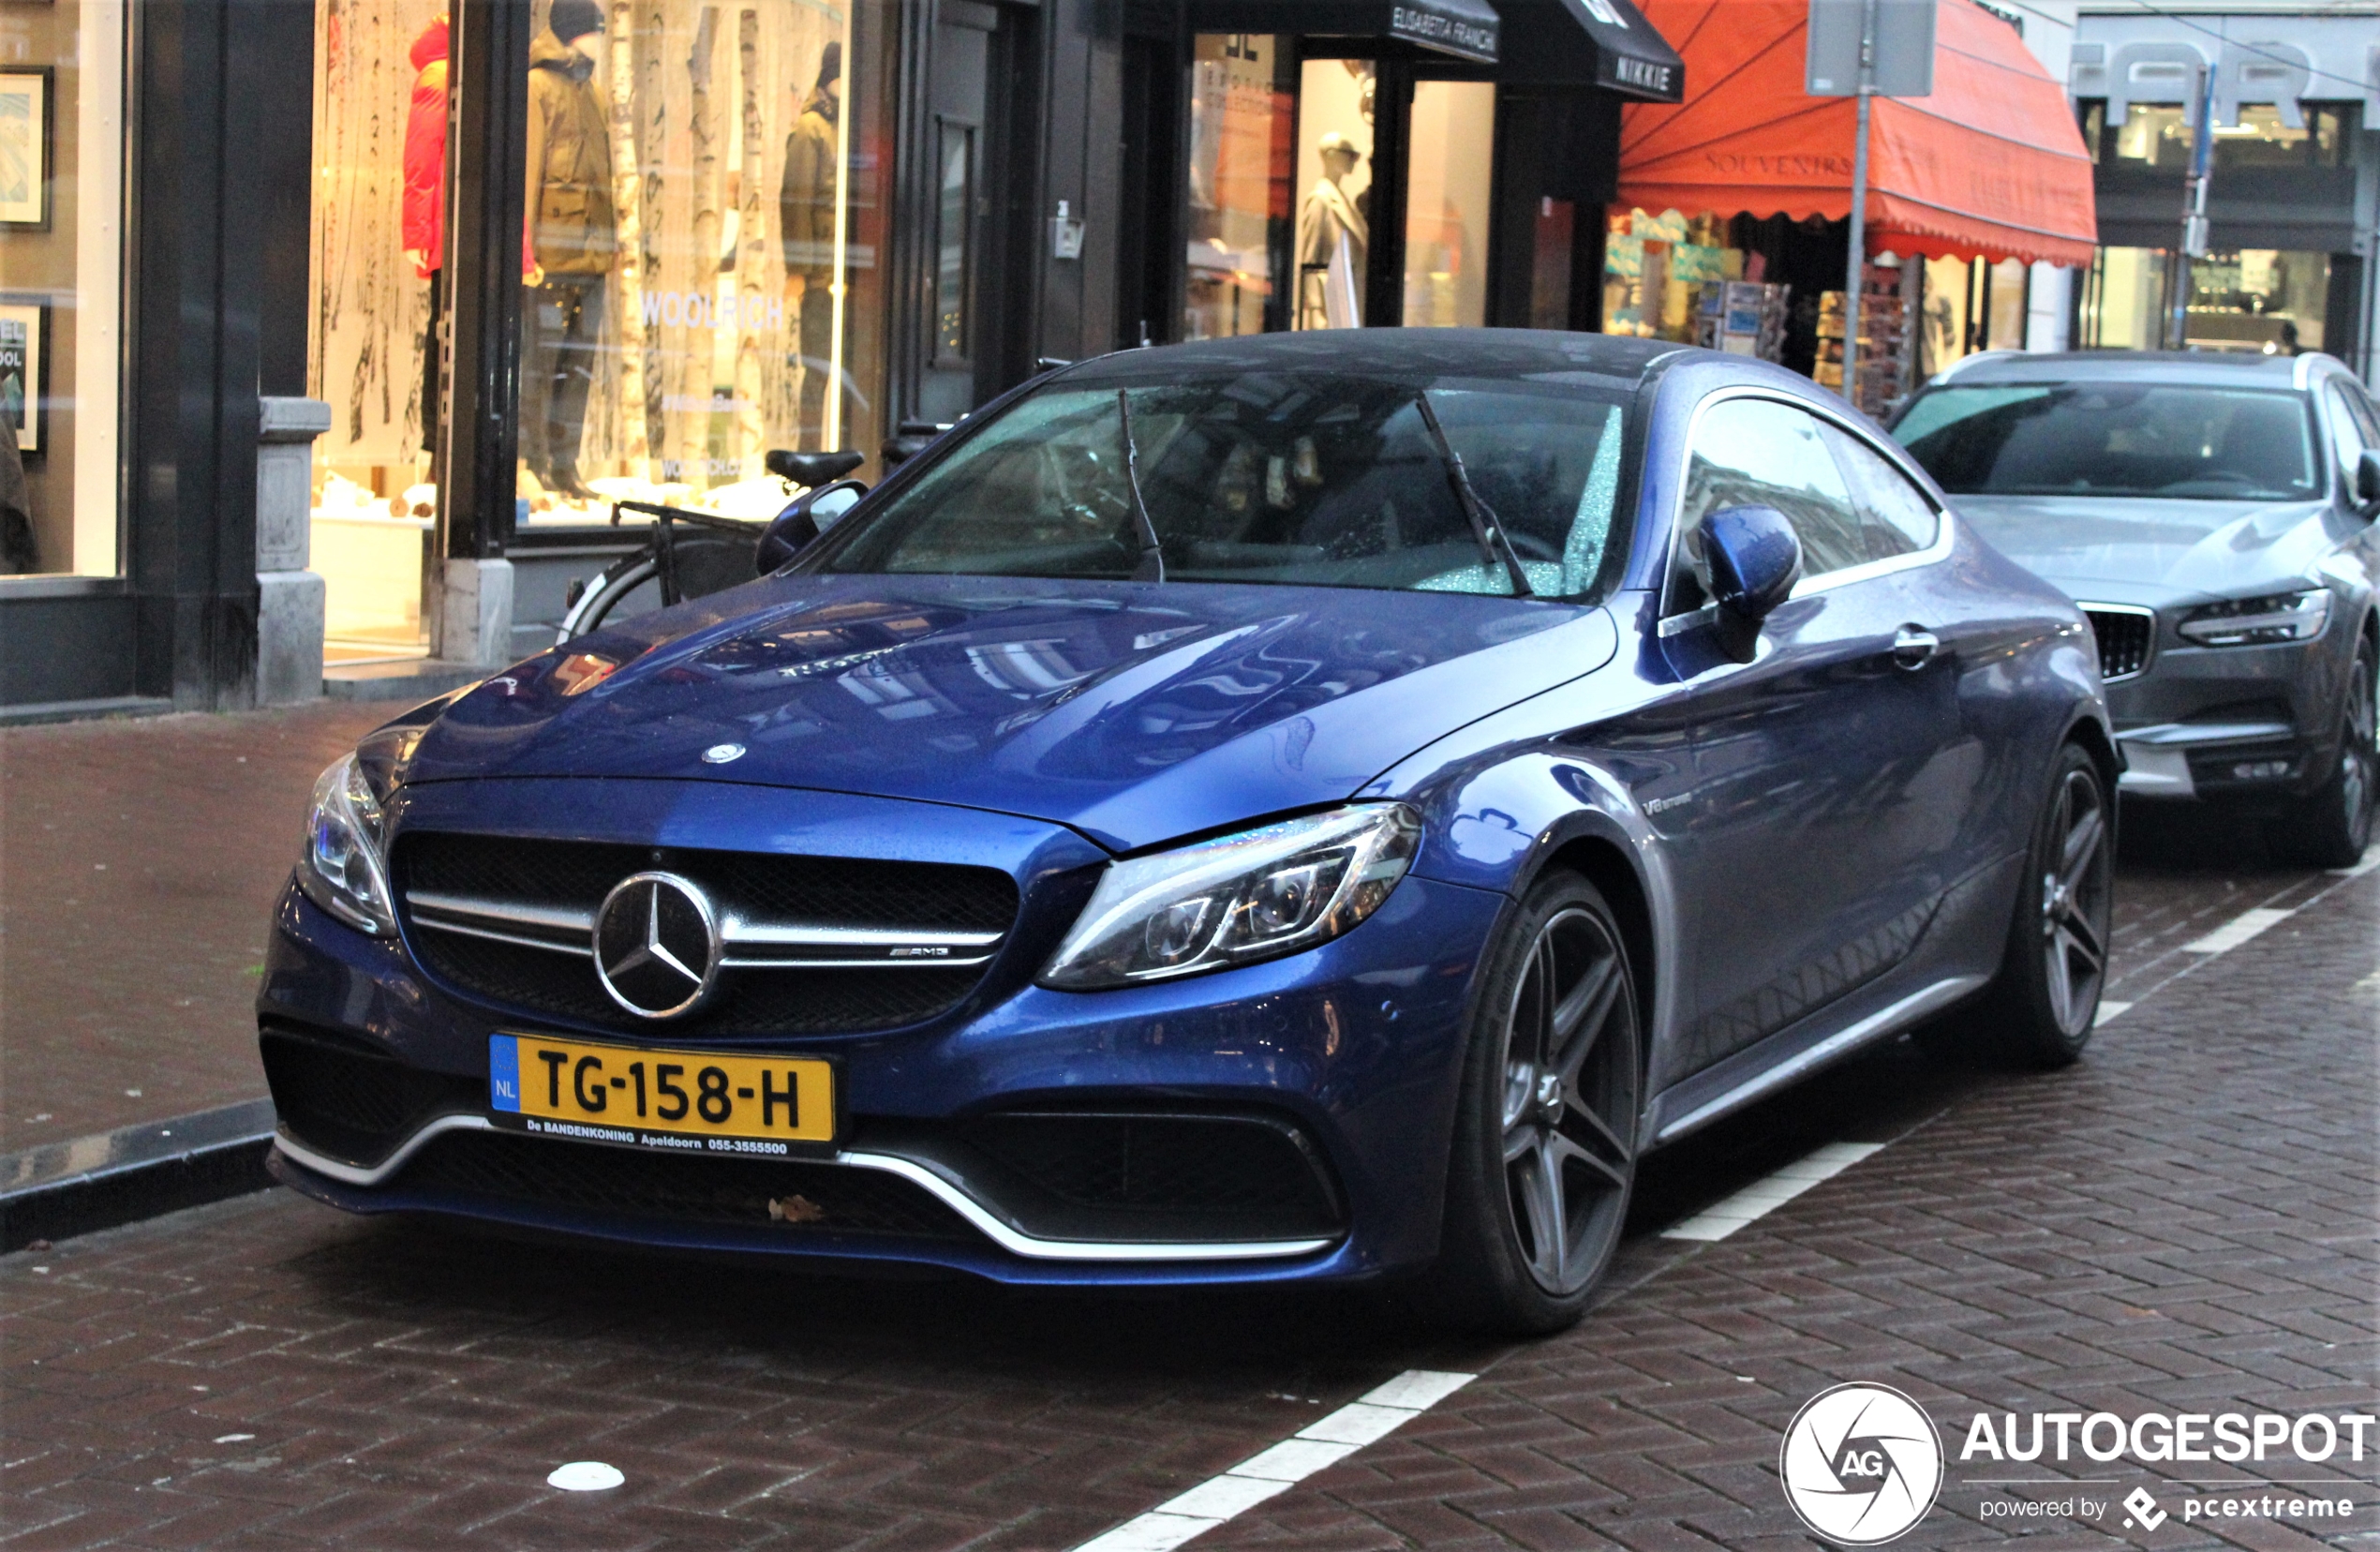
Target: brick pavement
{"type": "Point", "coordinates": [2186, 1219]}
{"type": "Point", "coordinates": [139, 860]}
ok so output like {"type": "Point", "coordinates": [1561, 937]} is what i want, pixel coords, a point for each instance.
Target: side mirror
{"type": "Point", "coordinates": [809, 514]}
{"type": "Point", "coordinates": [1755, 558]}
{"type": "Point", "coordinates": [2367, 479]}
{"type": "Point", "coordinates": [812, 469]}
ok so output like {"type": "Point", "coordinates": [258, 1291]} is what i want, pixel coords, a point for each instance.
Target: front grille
{"type": "Point", "coordinates": [1256, 1176]}
{"type": "Point", "coordinates": [2125, 636]}
{"type": "Point", "coordinates": [570, 879]}
{"type": "Point", "coordinates": [537, 1172]}
{"type": "Point", "coordinates": [353, 1104]}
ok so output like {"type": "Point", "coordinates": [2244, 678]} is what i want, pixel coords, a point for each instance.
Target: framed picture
{"type": "Point", "coordinates": [24, 147]}
{"type": "Point", "coordinates": [25, 371]}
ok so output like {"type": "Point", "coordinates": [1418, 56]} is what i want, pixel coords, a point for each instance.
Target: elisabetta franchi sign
{"type": "Point", "coordinates": [1453, 34]}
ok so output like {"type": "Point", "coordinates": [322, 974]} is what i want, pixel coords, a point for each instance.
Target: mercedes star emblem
{"type": "Point", "coordinates": [656, 945]}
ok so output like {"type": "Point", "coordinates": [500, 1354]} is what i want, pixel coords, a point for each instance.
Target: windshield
{"type": "Point", "coordinates": [1271, 478]}
{"type": "Point", "coordinates": [2113, 439]}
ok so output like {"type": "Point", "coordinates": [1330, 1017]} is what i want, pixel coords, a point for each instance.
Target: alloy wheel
{"type": "Point", "coordinates": [1569, 1101]}
{"type": "Point", "coordinates": [2075, 903]}
{"type": "Point", "coordinates": [2360, 748]}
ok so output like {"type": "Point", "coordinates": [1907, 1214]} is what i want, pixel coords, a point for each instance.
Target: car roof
{"type": "Point", "coordinates": [1457, 352]}
{"type": "Point", "coordinates": [2204, 368]}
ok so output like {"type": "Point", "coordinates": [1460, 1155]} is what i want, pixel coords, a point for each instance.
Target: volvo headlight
{"type": "Point", "coordinates": [344, 867]}
{"type": "Point", "coordinates": [1253, 896]}
{"type": "Point", "coordinates": [2254, 622]}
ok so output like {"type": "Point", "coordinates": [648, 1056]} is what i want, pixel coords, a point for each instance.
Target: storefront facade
{"type": "Point", "coordinates": [463, 276]}
{"type": "Point", "coordinates": [2294, 195]}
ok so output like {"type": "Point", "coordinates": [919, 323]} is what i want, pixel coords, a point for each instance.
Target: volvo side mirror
{"type": "Point", "coordinates": [2368, 480]}
{"type": "Point", "coordinates": [812, 469]}
{"type": "Point", "coordinates": [1755, 558]}
{"type": "Point", "coordinates": [809, 514]}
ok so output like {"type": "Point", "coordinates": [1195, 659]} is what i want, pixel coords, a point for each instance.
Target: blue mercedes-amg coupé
{"type": "Point", "coordinates": [1313, 807]}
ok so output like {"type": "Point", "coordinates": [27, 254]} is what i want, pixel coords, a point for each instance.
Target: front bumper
{"type": "Point", "coordinates": [1354, 1048]}
{"type": "Point", "coordinates": [2229, 723]}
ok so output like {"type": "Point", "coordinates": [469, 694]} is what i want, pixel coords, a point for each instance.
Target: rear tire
{"type": "Point", "coordinates": [2039, 1011]}
{"type": "Point", "coordinates": [2331, 827]}
{"type": "Point", "coordinates": [1544, 1147]}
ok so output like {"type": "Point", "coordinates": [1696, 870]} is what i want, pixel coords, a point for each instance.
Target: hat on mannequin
{"type": "Point", "coordinates": [574, 19]}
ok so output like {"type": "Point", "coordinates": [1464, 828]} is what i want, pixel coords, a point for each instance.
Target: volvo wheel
{"type": "Point", "coordinates": [2333, 825]}
{"type": "Point", "coordinates": [1545, 1141]}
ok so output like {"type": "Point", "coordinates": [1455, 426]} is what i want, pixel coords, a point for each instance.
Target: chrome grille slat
{"type": "Point", "coordinates": [830, 948]}
{"type": "Point", "coordinates": [2127, 637]}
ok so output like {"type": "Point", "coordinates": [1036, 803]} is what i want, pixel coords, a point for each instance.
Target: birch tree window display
{"type": "Point", "coordinates": [721, 333]}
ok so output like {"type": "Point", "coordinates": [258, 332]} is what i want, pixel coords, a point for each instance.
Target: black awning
{"type": "Point", "coordinates": [1630, 58]}
{"type": "Point", "coordinates": [1461, 29]}
{"type": "Point", "coordinates": [1605, 43]}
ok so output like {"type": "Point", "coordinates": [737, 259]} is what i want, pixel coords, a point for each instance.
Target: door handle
{"type": "Point", "coordinates": [1914, 647]}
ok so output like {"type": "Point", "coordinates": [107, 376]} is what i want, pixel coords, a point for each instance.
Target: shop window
{"type": "Point", "coordinates": [1447, 187]}
{"type": "Point", "coordinates": [2154, 136]}
{"type": "Point", "coordinates": [706, 193]}
{"type": "Point", "coordinates": [2261, 140]}
{"type": "Point", "coordinates": [1334, 184]}
{"type": "Point", "coordinates": [2124, 299]}
{"type": "Point", "coordinates": [1243, 102]}
{"type": "Point", "coordinates": [2259, 299]}
{"type": "Point", "coordinates": [378, 240]}
{"type": "Point", "coordinates": [2160, 136]}
{"type": "Point", "coordinates": [62, 141]}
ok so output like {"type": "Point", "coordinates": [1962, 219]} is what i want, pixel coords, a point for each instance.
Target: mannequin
{"type": "Point", "coordinates": [425, 222]}
{"type": "Point", "coordinates": [806, 217]}
{"type": "Point", "coordinates": [1329, 225]}
{"type": "Point", "coordinates": [573, 235]}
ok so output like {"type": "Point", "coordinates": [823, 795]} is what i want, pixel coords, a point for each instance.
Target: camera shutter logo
{"type": "Point", "coordinates": [657, 945]}
{"type": "Point", "coordinates": [1861, 1464]}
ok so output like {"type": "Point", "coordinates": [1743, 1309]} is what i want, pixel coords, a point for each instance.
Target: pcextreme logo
{"type": "Point", "coordinates": [1860, 1464]}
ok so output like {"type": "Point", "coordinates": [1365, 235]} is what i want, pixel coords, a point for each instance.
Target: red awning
{"type": "Point", "coordinates": [1990, 166]}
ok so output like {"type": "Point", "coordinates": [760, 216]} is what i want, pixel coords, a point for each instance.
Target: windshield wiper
{"type": "Point", "coordinates": [1153, 555]}
{"type": "Point", "coordinates": [1484, 525]}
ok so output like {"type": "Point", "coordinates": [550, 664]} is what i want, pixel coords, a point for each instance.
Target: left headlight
{"type": "Point", "coordinates": [1253, 896]}
{"type": "Point", "coordinates": [343, 867]}
{"type": "Point", "coordinates": [2297, 616]}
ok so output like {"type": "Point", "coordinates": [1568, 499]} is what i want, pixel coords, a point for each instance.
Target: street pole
{"type": "Point", "coordinates": [2194, 211]}
{"type": "Point", "coordinates": [1855, 281]}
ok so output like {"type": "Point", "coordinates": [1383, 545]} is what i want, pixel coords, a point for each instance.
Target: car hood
{"type": "Point", "coordinates": [2144, 550]}
{"type": "Point", "coordinates": [1135, 713]}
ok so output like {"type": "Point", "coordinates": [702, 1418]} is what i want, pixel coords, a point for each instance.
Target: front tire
{"type": "Point", "coordinates": [1545, 1139]}
{"type": "Point", "coordinates": [2333, 825]}
{"type": "Point", "coordinates": [2040, 1009]}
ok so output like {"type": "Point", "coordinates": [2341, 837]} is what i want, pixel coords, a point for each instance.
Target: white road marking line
{"type": "Point", "coordinates": [2109, 1010]}
{"type": "Point", "coordinates": [1325, 1441]}
{"type": "Point", "coordinates": [2370, 860]}
{"type": "Point", "coordinates": [1763, 1197]}
{"type": "Point", "coordinates": [2239, 930]}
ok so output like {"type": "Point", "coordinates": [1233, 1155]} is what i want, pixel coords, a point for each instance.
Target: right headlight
{"type": "Point", "coordinates": [1256, 895]}
{"type": "Point", "coordinates": [343, 866]}
{"type": "Point", "coordinates": [2296, 615]}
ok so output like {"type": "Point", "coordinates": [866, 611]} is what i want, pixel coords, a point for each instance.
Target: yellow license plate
{"type": "Point", "coordinates": [684, 1101]}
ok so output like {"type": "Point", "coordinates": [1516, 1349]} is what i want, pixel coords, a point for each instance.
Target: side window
{"type": "Point", "coordinates": [1751, 452]}
{"type": "Point", "coordinates": [2351, 431]}
{"type": "Point", "coordinates": [1895, 518]}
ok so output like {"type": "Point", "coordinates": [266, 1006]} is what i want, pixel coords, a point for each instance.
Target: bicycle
{"type": "Point", "coordinates": [725, 552]}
